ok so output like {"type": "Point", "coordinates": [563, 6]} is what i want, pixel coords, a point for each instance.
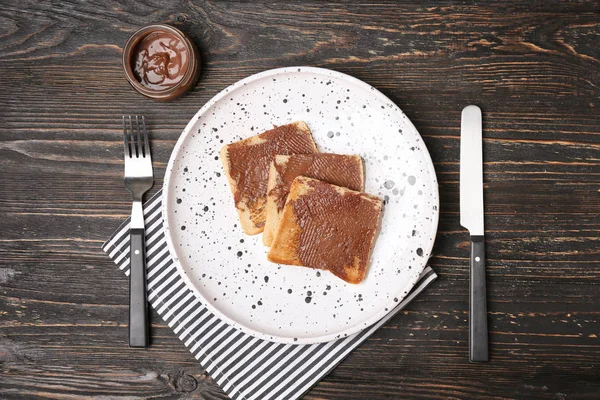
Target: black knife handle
{"type": "Point", "coordinates": [478, 326]}
{"type": "Point", "coordinates": [138, 303]}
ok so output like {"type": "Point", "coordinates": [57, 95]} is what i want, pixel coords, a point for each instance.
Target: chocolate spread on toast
{"type": "Point", "coordinates": [249, 166]}
{"type": "Point", "coordinates": [340, 170]}
{"type": "Point", "coordinates": [336, 229]}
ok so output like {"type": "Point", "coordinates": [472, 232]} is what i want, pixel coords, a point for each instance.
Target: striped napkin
{"type": "Point", "coordinates": [246, 367]}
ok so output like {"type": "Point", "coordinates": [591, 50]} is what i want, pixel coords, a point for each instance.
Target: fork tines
{"type": "Point", "coordinates": [135, 139]}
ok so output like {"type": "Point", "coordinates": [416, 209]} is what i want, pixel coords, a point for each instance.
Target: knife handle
{"type": "Point", "coordinates": [478, 327]}
{"type": "Point", "coordinates": [138, 303]}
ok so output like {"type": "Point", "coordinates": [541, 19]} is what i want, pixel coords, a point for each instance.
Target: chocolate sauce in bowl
{"type": "Point", "coordinates": [160, 60]}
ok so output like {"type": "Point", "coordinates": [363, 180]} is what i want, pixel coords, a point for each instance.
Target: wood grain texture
{"type": "Point", "coordinates": [533, 67]}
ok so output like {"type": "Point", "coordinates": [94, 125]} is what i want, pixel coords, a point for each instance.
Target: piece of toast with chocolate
{"type": "Point", "coordinates": [327, 227]}
{"type": "Point", "coordinates": [340, 170]}
{"type": "Point", "coordinates": [246, 164]}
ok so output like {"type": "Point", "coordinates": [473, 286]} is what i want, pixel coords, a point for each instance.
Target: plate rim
{"type": "Point", "coordinates": [172, 249]}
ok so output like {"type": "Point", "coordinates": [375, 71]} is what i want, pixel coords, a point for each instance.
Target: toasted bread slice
{"type": "Point", "coordinates": [327, 227]}
{"type": "Point", "coordinates": [246, 164]}
{"type": "Point", "coordinates": [338, 169]}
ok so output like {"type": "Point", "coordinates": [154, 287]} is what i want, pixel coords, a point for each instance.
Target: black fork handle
{"type": "Point", "coordinates": [138, 302]}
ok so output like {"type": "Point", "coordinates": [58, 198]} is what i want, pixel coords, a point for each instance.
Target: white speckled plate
{"type": "Point", "coordinates": [229, 271]}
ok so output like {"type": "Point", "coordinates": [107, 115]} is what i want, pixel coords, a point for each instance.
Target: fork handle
{"type": "Point", "coordinates": [138, 303]}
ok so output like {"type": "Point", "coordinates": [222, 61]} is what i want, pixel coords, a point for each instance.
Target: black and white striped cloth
{"type": "Point", "coordinates": [246, 367]}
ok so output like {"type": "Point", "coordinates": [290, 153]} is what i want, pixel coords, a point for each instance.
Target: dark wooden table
{"type": "Point", "coordinates": [532, 66]}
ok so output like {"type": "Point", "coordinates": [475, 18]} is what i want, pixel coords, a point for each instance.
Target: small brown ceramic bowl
{"type": "Point", "coordinates": [186, 81]}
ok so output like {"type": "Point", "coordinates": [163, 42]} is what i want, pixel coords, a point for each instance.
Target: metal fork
{"type": "Point", "coordinates": [138, 180]}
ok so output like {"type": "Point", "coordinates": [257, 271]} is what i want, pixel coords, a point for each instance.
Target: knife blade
{"type": "Point", "coordinates": [471, 217]}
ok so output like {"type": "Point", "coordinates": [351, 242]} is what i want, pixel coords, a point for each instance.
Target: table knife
{"type": "Point", "coordinates": [471, 217]}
